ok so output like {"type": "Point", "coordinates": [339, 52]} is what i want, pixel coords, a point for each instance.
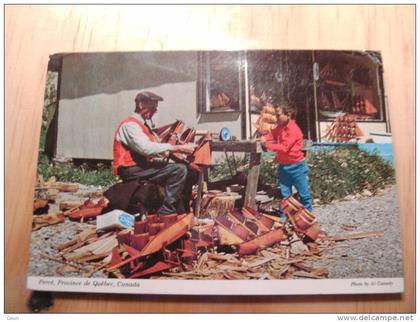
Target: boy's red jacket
{"type": "Point", "coordinates": [288, 143]}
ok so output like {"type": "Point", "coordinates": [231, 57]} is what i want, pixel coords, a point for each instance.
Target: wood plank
{"type": "Point", "coordinates": [358, 235]}
{"type": "Point", "coordinates": [81, 268]}
{"type": "Point", "coordinates": [199, 193]}
{"type": "Point", "coordinates": [252, 180]}
{"type": "Point", "coordinates": [249, 146]}
{"type": "Point", "coordinates": [226, 237]}
{"type": "Point", "coordinates": [261, 242]}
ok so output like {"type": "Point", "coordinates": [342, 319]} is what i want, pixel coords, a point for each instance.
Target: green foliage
{"type": "Point", "coordinates": [50, 100]}
{"type": "Point", "coordinates": [225, 167]}
{"type": "Point", "coordinates": [341, 172]}
{"type": "Point", "coordinates": [268, 169]}
{"type": "Point", "coordinates": [101, 175]}
{"type": "Point", "coordinates": [333, 174]}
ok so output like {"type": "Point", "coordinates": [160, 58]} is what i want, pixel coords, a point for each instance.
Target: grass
{"type": "Point", "coordinates": [99, 174]}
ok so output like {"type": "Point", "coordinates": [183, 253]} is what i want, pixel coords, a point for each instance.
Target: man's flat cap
{"type": "Point", "coordinates": [147, 96]}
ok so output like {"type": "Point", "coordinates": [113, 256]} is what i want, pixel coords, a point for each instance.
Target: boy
{"type": "Point", "coordinates": [287, 141]}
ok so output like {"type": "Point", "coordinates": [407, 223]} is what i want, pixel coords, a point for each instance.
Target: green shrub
{"type": "Point", "coordinates": [333, 174]}
{"type": "Point", "coordinates": [101, 175]}
{"type": "Point", "coordinates": [338, 173]}
{"type": "Point", "coordinates": [221, 169]}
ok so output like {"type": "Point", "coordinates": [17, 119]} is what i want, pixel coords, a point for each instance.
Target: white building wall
{"type": "Point", "coordinates": [98, 90]}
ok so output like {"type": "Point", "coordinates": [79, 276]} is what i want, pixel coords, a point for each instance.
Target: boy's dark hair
{"type": "Point", "coordinates": [287, 108]}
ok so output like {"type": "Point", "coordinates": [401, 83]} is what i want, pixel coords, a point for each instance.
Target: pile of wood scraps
{"type": "Point", "coordinates": [262, 197]}
{"type": "Point", "coordinates": [49, 189]}
{"type": "Point", "coordinates": [88, 252]}
{"type": "Point", "coordinates": [88, 210]}
{"type": "Point", "coordinates": [46, 194]}
{"type": "Point", "coordinates": [172, 242]}
{"type": "Point", "coordinates": [292, 258]}
{"type": "Point", "coordinates": [197, 253]}
{"type": "Point", "coordinates": [271, 263]}
{"type": "Point", "coordinates": [73, 210]}
{"type": "Point", "coordinates": [97, 247]}
{"type": "Point", "coordinates": [40, 221]}
{"type": "Point", "coordinates": [231, 243]}
{"type": "Point", "coordinates": [215, 202]}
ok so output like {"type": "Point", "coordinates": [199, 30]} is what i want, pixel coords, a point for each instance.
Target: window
{"type": "Point", "coordinates": [276, 78]}
{"type": "Point", "coordinates": [221, 82]}
{"type": "Point", "coordinates": [349, 83]}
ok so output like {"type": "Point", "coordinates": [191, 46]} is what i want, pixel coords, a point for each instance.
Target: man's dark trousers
{"type": "Point", "coordinates": [174, 177]}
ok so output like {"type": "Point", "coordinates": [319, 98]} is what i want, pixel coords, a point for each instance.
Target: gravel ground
{"type": "Point", "coordinates": [367, 257]}
{"type": "Point", "coordinates": [44, 240]}
{"type": "Point", "coordinates": [362, 258]}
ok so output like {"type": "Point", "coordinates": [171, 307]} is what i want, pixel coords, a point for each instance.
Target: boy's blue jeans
{"type": "Point", "coordinates": [296, 174]}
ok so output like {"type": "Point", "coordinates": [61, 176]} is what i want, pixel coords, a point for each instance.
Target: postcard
{"type": "Point", "coordinates": [252, 172]}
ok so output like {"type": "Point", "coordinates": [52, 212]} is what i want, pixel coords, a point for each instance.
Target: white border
{"type": "Point", "coordinates": [218, 287]}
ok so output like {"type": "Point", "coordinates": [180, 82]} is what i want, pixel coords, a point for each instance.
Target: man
{"type": "Point", "coordinates": [134, 149]}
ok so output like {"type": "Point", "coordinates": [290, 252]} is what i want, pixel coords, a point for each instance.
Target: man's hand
{"type": "Point", "coordinates": [184, 148]}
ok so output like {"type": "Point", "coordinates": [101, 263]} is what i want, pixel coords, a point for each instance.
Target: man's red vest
{"type": "Point", "coordinates": [122, 154]}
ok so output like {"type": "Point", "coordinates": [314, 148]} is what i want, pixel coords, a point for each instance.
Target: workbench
{"type": "Point", "coordinates": [254, 149]}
